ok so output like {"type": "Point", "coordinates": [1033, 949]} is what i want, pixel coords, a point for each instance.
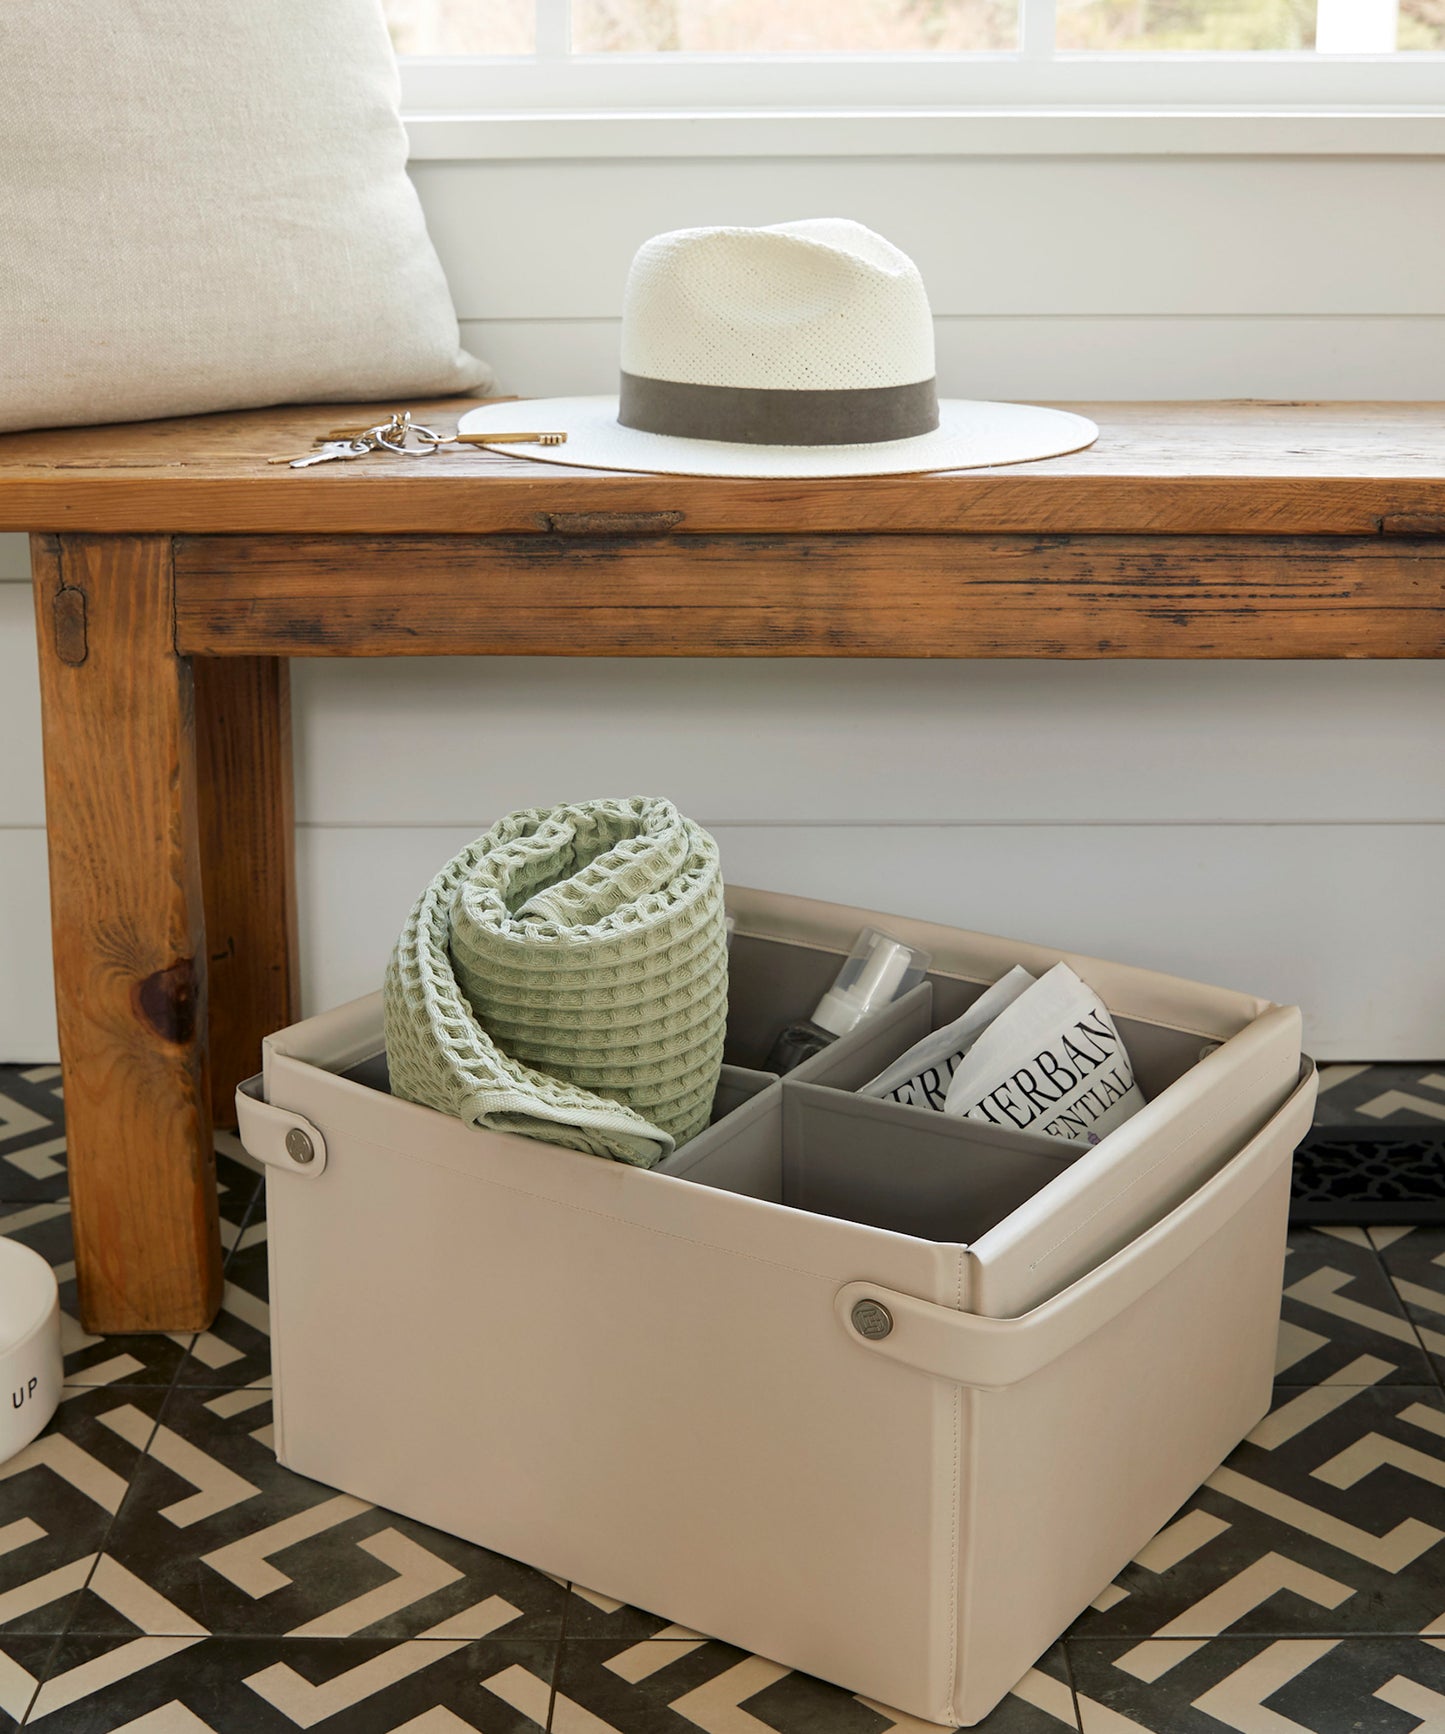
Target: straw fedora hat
{"type": "Point", "coordinates": [804, 349]}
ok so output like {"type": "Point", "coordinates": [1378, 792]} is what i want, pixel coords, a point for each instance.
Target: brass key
{"type": "Point", "coordinates": [327, 452]}
{"type": "Point", "coordinates": [506, 439]}
{"type": "Point", "coordinates": [459, 439]}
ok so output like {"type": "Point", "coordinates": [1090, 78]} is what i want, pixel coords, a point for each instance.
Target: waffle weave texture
{"type": "Point", "coordinates": [565, 977]}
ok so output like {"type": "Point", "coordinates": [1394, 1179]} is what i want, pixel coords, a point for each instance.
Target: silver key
{"type": "Point", "coordinates": [332, 452]}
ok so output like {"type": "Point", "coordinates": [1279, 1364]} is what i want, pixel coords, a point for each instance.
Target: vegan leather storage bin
{"type": "Point", "coordinates": [897, 1435]}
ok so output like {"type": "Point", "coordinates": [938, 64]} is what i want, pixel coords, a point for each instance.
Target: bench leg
{"type": "Point", "coordinates": [248, 861]}
{"type": "Point", "coordinates": [129, 932]}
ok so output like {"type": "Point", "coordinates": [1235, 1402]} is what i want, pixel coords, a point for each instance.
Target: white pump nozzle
{"type": "Point", "coordinates": [883, 968]}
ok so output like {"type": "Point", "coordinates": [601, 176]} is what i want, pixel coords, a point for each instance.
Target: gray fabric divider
{"type": "Point", "coordinates": [736, 1086]}
{"type": "Point", "coordinates": [834, 1153]}
{"type": "Point", "coordinates": [908, 1170]}
{"type": "Point", "coordinates": [741, 1152]}
{"type": "Point", "coordinates": [812, 1143]}
{"type": "Point", "coordinates": [871, 1044]}
{"type": "Point", "coordinates": [372, 1072]}
{"type": "Point", "coordinates": [771, 985]}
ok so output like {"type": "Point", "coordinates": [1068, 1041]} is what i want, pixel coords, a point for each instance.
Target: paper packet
{"type": "Point", "coordinates": [1051, 1062]}
{"type": "Point", "coordinates": [920, 1077]}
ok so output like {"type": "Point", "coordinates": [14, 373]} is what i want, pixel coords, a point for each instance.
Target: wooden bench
{"type": "Point", "coordinates": [176, 572]}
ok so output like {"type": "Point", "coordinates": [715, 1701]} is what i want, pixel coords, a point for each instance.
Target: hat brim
{"type": "Point", "coordinates": [970, 435]}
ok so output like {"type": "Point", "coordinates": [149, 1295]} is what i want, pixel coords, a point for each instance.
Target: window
{"type": "Point", "coordinates": [812, 58]}
{"type": "Point", "coordinates": [877, 27]}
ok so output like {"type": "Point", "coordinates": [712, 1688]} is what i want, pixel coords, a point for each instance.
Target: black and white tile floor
{"type": "Point", "coordinates": [160, 1574]}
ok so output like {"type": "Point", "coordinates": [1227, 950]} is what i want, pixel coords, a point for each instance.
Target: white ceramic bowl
{"type": "Point", "coordinates": [30, 1366]}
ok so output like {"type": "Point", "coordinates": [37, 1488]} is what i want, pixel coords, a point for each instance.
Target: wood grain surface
{"type": "Point", "coordinates": [1160, 468]}
{"type": "Point", "coordinates": [130, 965]}
{"type": "Point", "coordinates": [248, 866]}
{"type": "Point", "coordinates": [893, 596]}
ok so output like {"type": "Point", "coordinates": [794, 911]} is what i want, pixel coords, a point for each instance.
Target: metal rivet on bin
{"type": "Point", "coordinates": [299, 1147]}
{"type": "Point", "coordinates": [872, 1319]}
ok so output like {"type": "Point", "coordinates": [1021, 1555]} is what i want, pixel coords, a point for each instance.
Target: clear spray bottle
{"type": "Point", "coordinates": [877, 971]}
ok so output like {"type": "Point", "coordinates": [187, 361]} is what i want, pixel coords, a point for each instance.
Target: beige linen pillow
{"type": "Point", "coordinates": [204, 206]}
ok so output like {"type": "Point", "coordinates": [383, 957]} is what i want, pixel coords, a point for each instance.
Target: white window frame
{"type": "Point", "coordinates": [1032, 101]}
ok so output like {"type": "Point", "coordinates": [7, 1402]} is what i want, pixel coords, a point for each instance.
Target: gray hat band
{"type": "Point", "coordinates": [759, 416]}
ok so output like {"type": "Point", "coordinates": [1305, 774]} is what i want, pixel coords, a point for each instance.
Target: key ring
{"type": "Point", "coordinates": [431, 439]}
{"type": "Point", "coordinates": [392, 436]}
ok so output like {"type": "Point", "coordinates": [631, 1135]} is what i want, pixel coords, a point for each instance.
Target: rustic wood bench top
{"type": "Point", "coordinates": [1279, 469]}
{"type": "Point", "coordinates": [176, 572]}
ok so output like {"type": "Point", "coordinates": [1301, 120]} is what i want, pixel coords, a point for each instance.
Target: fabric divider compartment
{"type": "Point", "coordinates": [771, 985]}
{"type": "Point", "coordinates": [1158, 1056]}
{"type": "Point", "coordinates": [742, 1150]}
{"type": "Point", "coordinates": [735, 1086]}
{"type": "Point", "coordinates": [909, 1170]}
{"type": "Point", "coordinates": [372, 1072]}
{"type": "Point", "coordinates": [873, 1043]}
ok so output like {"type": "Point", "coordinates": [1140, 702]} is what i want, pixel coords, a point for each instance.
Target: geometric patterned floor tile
{"type": "Point", "coordinates": [225, 1537]}
{"type": "Point", "coordinates": [236, 1350]}
{"type": "Point", "coordinates": [59, 1497]}
{"type": "Point", "coordinates": [1415, 1260]}
{"type": "Point", "coordinates": [1265, 1686]}
{"type": "Point", "coordinates": [24, 1660]}
{"type": "Point", "coordinates": [32, 1135]}
{"type": "Point", "coordinates": [592, 1614]}
{"type": "Point", "coordinates": [668, 1686]}
{"type": "Point", "coordinates": [161, 1573]}
{"type": "Point", "coordinates": [1391, 1094]}
{"type": "Point", "coordinates": [152, 1358]}
{"type": "Point", "coordinates": [1339, 1309]}
{"type": "Point", "coordinates": [238, 1188]}
{"type": "Point", "coordinates": [133, 1360]}
{"type": "Point", "coordinates": [264, 1686]}
{"type": "Point", "coordinates": [1332, 1515]}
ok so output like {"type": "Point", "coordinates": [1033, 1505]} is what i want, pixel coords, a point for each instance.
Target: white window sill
{"type": "Point", "coordinates": [467, 137]}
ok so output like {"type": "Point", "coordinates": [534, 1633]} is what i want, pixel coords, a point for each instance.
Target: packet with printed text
{"type": "Point", "coordinates": [1052, 1062]}
{"type": "Point", "coordinates": [920, 1078]}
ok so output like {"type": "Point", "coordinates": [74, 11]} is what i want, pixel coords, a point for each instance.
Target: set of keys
{"type": "Point", "coordinates": [404, 438]}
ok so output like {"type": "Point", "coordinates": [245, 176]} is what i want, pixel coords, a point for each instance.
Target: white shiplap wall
{"type": "Point", "coordinates": [1276, 827]}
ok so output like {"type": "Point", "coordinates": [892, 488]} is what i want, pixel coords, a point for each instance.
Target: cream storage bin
{"type": "Point", "coordinates": [880, 1397]}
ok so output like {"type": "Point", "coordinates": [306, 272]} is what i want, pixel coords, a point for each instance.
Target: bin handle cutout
{"type": "Point", "coordinates": [991, 1354]}
{"type": "Point", "coordinates": [277, 1136]}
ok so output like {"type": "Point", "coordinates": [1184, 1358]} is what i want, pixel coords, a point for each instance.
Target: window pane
{"type": "Point", "coordinates": [792, 26]}
{"type": "Point", "coordinates": [1422, 25]}
{"type": "Point", "coordinates": [1117, 26]}
{"type": "Point", "coordinates": [1331, 26]}
{"type": "Point", "coordinates": [462, 26]}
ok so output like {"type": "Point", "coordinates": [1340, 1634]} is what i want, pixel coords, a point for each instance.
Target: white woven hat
{"type": "Point", "coordinates": [804, 349]}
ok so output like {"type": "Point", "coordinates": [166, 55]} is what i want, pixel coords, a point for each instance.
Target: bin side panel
{"type": "Point", "coordinates": [676, 1423]}
{"type": "Point", "coordinates": [1072, 1471]}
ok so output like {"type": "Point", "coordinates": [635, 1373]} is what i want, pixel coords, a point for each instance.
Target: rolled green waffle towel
{"type": "Point", "coordinates": [565, 977]}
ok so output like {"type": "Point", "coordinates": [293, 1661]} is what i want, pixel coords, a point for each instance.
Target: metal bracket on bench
{"type": "Point", "coordinates": [276, 1136]}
